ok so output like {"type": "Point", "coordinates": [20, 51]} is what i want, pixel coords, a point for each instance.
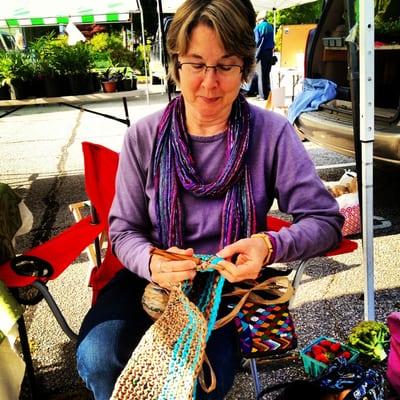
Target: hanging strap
{"type": "Point", "coordinates": [272, 286]}
{"type": "Point", "coordinates": [213, 383]}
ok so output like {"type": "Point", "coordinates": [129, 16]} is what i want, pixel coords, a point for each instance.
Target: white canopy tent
{"type": "Point", "coordinates": [20, 13]}
{"type": "Point", "coordinates": [26, 13]}
{"type": "Point", "coordinates": [170, 6]}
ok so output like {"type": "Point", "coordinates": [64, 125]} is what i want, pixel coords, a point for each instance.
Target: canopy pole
{"type": "Point", "coordinates": [144, 50]}
{"type": "Point", "coordinates": [274, 13]}
{"type": "Point", "coordinates": [367, 130]}
{"type": "Point", "coordinates": [164, 52]}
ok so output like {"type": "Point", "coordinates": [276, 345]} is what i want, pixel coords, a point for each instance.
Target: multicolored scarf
{"type": "Point", "coordinates": [174, 170]}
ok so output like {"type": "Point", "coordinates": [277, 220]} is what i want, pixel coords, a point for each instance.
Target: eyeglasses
{"type": "Point", "coordinates": [222, 70]}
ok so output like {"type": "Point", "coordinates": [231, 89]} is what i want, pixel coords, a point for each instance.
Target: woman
{"type": "Point", "coordinates": [202, 174]}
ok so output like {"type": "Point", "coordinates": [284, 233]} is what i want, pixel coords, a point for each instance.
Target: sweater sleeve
{"type": "Point", "coordinates": [130, 227]}
{"type": "Point", "coordinates": [300, 192]}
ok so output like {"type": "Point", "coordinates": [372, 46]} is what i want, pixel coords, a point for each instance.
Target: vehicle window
{"type": "Point", "coordinates": [8, 41]}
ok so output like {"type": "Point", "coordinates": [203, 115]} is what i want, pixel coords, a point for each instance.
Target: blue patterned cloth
{"type": "Point", "coordinates": [365, 383]}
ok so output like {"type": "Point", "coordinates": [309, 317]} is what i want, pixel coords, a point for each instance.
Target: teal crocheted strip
{"type": "Point", "coordinates": [181, 357]}
{"type": "Point", "coordinates": [208, 304]}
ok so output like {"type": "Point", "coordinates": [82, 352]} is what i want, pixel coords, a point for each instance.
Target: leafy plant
{"type": "Point", "coordinates": [109, 50]}
{"type": "Point", "coordinates": [391, 26]}
{"type": "Point", "coordinates": [48, 52]}
{"type": "Point", "coordinates": [16, 65]}
{"type": "Point", "coordinates": [77, 59]}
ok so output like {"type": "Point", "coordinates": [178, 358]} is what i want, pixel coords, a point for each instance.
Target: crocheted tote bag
{"type": "Point", "coordinates": [170, 355]}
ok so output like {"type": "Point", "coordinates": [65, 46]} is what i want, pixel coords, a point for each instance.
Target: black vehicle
{"type": "Point", "coordinates": [327, 57]}
{"type": "Point", "coordinates": [7, 41]}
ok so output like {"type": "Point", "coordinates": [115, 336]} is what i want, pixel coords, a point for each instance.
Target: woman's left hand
{"type": "Point", "coordinates": [251, 253]}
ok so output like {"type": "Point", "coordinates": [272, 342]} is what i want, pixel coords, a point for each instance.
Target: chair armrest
{"type": "Point", "coordinates": [345, 246]}
{"type": "Point", "coordinates": [59, 252]}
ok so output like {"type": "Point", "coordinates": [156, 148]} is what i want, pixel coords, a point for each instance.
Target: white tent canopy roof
{"type": "Point", "coordinates": [170, 6]}
{"type": "Point", "coordinates": [17, 13]}
{"type": "Point", "coordinates": [270, 5]}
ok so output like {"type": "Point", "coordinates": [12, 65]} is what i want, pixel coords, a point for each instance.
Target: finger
{"type": "Point", "coordinates": [175, 277]}
{"type": "Point", "coordinates": [187, 252]}
{"type": "Point", "coordinates": [237, 273]}
{"type": "Point", "coordinates": [167, 266]}
{"type": "Point", "coordinates": [232, 249]}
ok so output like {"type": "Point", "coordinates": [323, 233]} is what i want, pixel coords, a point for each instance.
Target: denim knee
{"type": "Point", "coordinates": [101, 357]}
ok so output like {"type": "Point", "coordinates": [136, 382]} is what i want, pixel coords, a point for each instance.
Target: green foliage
{"type": "Point", "coordinates": [48, 52]}
{"type": "Point", "coordinates": [77, 59]}
{"type": "Point", "coordinates": [142, 56]}
{"type": "Point", "coordinates": [386, 10]}
{"type": "Point", "coordinates": [303, 14]}
{"type": "Point", "coordinates": [109, 47]}
{"type": "Point", "coordinates": [370, 338]}
{"type": "Point", "coordinates": [99, 42]}
{"type": "Point", "coordinates": [15, 65]}
{"type": "Point", "coordinates": [278, 40]}
{"type": "Point", "coordinates": [388, 26]}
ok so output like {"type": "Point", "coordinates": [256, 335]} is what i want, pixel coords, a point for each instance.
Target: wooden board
{"type": "Point", "coordinates": [83, 98]}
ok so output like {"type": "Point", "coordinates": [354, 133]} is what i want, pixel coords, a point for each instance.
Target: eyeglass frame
{"type": "Point", "coordinates": [206, 67]}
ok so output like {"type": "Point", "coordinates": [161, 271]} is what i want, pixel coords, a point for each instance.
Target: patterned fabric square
{"type": "Point", "coordinates": [265, 329]}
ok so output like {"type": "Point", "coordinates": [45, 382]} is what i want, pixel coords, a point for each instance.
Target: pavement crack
{"type": "Point", "coordinates": [50, 200]}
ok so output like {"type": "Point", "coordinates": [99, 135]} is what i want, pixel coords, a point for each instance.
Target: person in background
{"type": "Point", "coordinates": [264, 37]}
{"type": "Point", "coordinates": [200, 176]}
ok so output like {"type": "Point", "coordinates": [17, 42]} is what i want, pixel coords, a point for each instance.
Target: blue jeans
{"type": "Point", "coordinates": [114, 326]}
{"type": "Point", "coordinates": [263, 69]}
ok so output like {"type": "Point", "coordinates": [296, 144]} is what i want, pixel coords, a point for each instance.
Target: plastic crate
{"type": "Point", "coordinates": [315, 368]}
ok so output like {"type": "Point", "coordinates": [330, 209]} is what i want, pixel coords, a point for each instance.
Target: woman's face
{"type": "Point", "coordinates": [208, 94]}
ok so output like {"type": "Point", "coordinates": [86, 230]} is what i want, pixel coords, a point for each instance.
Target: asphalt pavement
{"type": "Point", "coordinates": [40, 156]}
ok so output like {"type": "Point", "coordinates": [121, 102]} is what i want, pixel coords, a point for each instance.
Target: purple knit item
{"type": "Point", "coordinates": [174, 170]}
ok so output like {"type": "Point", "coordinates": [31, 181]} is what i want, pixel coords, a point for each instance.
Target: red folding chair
{"type": "Point", "coordinates": [47, 261]}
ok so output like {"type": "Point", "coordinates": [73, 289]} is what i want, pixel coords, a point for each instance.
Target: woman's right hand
{"type": "Point", "coordinates": [167, 273]}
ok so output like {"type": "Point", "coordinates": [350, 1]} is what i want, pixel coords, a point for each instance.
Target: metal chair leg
{"type": "Point", "coordinates": [297, 277]}
{"type": "Point", "coordinates": [254, 373]}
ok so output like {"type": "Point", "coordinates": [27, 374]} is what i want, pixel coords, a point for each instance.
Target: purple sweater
{"type": "Point", "coordinates": [279, 166]}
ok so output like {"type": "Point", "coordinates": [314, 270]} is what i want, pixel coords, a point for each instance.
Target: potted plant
{"type": "Point", "coordinates": [78, 62]}
{"type": "Point", "coordinates": [109, 80]}
{"type": "Point", "coordinates": [17, 70]}
{"type": "Point", "coordinates": [4, 88]}
{"type": "Point", "coordinates": [126, 80]}
{"type": "Point", "coordinates": [50, 56]}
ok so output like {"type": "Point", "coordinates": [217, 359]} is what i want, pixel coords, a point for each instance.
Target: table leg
{"type": "Point", "coordinates": [10, 111]}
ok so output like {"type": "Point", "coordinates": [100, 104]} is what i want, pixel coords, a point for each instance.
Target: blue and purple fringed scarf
{"type": "Point", "coordinates": [173, 164]}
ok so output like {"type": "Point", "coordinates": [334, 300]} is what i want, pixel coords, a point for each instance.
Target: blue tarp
{"type": "Point", "coordinates": [314, 93]}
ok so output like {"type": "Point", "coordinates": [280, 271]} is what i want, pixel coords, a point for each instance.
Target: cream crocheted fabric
{"type": "Point", "coordinates": [169, 357]}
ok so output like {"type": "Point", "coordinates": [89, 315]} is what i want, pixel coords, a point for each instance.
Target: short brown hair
{"type": "Point", "coordinates": [232, 20]}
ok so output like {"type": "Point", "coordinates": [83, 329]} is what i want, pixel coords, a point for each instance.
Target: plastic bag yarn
{"type": "Point", "coordinates": [169, 358]}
